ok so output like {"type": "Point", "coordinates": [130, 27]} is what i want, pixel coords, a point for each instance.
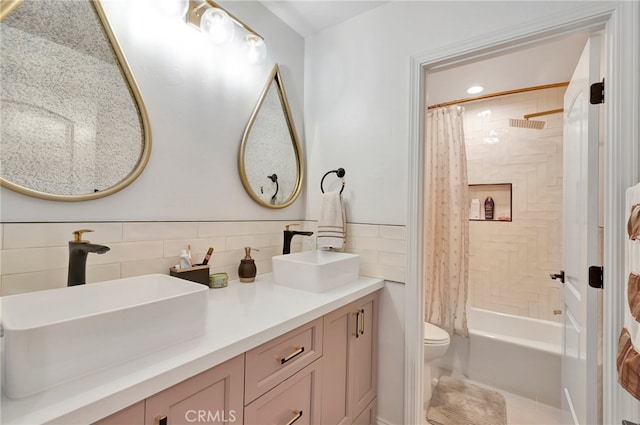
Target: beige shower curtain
{"type": "Point", "coordinates": [446, 221]}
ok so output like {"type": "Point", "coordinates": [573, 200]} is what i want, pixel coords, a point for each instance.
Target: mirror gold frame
{"type": "Point", "coordinates": [6, 8]}
{"type": "Point", "coordinates": [274, 78]}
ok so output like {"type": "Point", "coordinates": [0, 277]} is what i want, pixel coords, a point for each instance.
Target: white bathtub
{"type": "Point", "coordinates": [513, 353]}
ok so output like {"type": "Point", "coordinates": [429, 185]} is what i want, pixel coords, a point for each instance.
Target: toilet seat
{"type": "Point", "coordinates": [434, 335]}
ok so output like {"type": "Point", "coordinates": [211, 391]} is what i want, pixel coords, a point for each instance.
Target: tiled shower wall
{"type": "Point", "coordinates": [34, 256]}
{"type": "Point", "coordinates": [510, 262]}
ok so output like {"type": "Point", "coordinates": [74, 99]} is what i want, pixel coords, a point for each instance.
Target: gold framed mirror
{"type": "Point", "coordinates": [270, 161]}
{"type": "Point", "coordinates": [74, 125]}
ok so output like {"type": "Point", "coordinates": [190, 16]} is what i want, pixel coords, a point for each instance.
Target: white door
{"type": "Point", "coordinates": [580, 331]}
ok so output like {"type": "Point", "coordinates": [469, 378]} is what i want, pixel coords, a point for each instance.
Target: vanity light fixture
{"type": "Point", "coordinates": [475, 89]}
{"type": "Point", "coordinates": [219, 26]}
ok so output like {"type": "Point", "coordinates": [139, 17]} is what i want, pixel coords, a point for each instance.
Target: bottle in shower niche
{"type": "Point", "coordinates": [488, 208]}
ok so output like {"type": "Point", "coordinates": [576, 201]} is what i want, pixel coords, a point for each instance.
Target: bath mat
{"type": "Point", "coordinates": [457, 402]}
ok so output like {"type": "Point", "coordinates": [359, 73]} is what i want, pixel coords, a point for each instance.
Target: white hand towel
{"type": "Point", "coordinates": [331, 225]}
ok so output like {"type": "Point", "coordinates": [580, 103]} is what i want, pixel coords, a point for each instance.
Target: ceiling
{"type": "Point", "coordinates": [308, 17]}
{"type": "Point", "coordinates": [546, 62]}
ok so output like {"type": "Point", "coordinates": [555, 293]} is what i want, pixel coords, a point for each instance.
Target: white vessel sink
{"type": "Point", "coordinates": [57, 335]}
{"type": "Point", "coordinates": [315, 271]}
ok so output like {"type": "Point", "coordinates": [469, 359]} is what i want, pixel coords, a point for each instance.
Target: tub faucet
{"type": "Point", "coordinates": [78, 251]}
{"type": "Point", "coordinates": [288, 235]}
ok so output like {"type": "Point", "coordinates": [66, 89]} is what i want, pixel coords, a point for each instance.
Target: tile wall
{"type": "Point", "coordinates": [510, 262]}
{"type": "Point", "coordinates": [34, 256]}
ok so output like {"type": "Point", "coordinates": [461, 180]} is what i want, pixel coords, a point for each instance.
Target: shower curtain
{"type": "Point", "coordinates": [446, 221]}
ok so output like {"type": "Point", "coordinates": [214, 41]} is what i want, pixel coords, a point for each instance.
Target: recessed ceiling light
{"type": "Point", "coordinates": [475, 89]}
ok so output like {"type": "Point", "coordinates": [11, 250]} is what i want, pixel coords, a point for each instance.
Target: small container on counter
{"type": "Point", "coordinates": [218, 280]}
{"type": "Point", "coordinates": [198, 274]}
{"type": "Point", "coordinates": [247, 269]}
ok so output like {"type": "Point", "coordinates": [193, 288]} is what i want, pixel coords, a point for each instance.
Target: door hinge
{"type": "Point", "coordinates": [595, 276]}
{"type": "Point", "coordinates": [597, 93]}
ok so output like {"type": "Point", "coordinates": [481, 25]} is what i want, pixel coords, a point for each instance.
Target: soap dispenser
{"type": "Point", "coordinates": [247, 269]}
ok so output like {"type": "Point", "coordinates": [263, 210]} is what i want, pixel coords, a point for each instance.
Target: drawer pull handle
{"type": "Point", "coordinates": [361, 326]}
{"type": "Point", "coordinates": [162, 420]}
{"type": "Point", "coordinates": [299, 350]}
{"type": "Point", "coordinates": [296, 417]}
{"type": "Point", "coordinates": [357, 332]}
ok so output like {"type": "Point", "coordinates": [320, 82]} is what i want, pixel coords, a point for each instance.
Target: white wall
{"type": "Point", "coordinates": [199, 99]}
{"type": "Point", "coordinates": [356, 99]}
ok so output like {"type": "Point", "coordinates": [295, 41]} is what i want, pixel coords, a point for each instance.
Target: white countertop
{"type": "Point", "coordinates": [240, 317]}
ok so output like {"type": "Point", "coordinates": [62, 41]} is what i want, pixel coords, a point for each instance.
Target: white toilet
{"type": "Point", "coordinates": [436, 343]}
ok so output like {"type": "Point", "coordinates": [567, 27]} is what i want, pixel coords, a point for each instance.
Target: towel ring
{"type": "Point", "coordinates": [274, 178]}
{"type": "Point", "coordinates": [340, 172]}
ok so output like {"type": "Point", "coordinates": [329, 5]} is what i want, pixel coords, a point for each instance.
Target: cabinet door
{"type": "Point", "coordinates": [213, 397]}
{"type": "Point", "coordinates": [350, 361]}
{"type": "Point", "coordinates": [132, 415]}
{"type": "Point", "coordinates": [368, 416]}
{"type": "Point", "coordinates": [296, 400]}
{"type": "Point", "coordinates": [338, 328]}
{"type": "Point", "coordinates": [365, 354]}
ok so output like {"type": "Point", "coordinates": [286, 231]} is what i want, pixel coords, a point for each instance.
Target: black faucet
{"type": "Point", "coordinates": [288, 235]}
{"type": "Point", "coordinates": [78, 251]}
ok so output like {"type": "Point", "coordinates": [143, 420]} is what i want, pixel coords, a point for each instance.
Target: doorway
{"type": "Point", "coordinates": [622, 161]}
{"type": "Point", "coordinates": [514, 149]}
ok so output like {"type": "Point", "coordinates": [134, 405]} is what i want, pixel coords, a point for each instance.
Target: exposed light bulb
{"type": "Point", "coordinates": [172, 8]}
{"type": "Point", "coordinates": [475, 89]}
{"type": "Point", "coordinates": [217, 25]}
{"type": "Point", "coordinates": [256, 48]}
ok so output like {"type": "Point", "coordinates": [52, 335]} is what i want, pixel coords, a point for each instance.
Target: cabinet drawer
{"type": "Point", "coordinates": [274, 361]}
{"type": "Point", "coordinates": [294, 401]}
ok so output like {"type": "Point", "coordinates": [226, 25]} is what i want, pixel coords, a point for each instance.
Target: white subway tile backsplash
{"type": "Point", "coordinates": [393, 232]}
{"type": "Point", "coordinates": [199, 247]}
{"type": "Point", "coordinates": [102, 272]}
{"type": "Point", "coordinates": [363, 230]}
{"type": "Point", "coordinates": [150, 266]}
{"type": "Point", "coordinates": [34, 235]}
{"type": "Point", "coordinates": [128, 251]}
{"type": "Point", "coordinates": [254, 241]}
{"type": "Point", "coordinates": [396, 274]}
{"type": "Point", "coordinates": [35, 281]}
{"type": "Point", "coordinates": [224, 228]}
{"type": "Point", "coordinates": [33, 259]}
{"type": "Point", "coordinates": [159, 230]}
{"type": "Point", "coordinates": [392, 259]}
{"type": "Point", "coordinates": [35, 256]}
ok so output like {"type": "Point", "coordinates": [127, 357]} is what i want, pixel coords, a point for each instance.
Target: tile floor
{"type": "Point", "coordinates": [524, 411]}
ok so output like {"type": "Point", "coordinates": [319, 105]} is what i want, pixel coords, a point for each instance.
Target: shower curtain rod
{"type": "Point", "coordinates": [502, 93]}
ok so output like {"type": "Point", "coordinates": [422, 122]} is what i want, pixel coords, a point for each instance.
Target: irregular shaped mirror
{"type": "Point", "coordinates": [73, 123]}
{"type": "Point", "coordinates": [270, 162]}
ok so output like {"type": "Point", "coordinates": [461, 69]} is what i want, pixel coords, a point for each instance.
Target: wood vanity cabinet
{"type": "Point", "coordinates": [323, 372]}
{"type": "Point", "coordinates": [350, 363]}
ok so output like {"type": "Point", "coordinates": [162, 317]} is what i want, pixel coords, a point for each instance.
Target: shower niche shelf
{"type": "Point", "coordinates": [502, 200]}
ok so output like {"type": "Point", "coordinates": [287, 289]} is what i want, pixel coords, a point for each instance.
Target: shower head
{"type": "Point", "coordinates": [525, 123]}
{"type": "Point", "coordinates": [528, 123]}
